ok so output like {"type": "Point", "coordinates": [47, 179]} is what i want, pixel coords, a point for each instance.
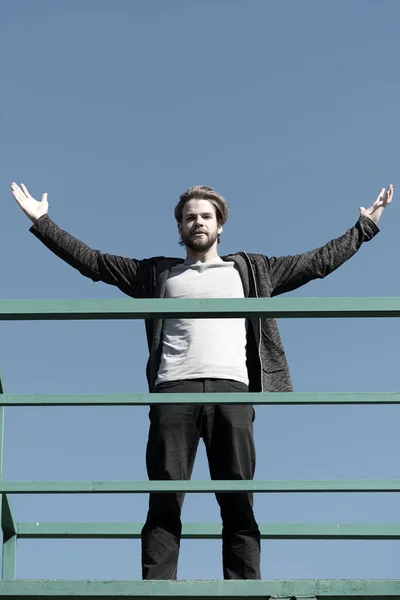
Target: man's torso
{"type": "Point", "coordinates": [204, 348]}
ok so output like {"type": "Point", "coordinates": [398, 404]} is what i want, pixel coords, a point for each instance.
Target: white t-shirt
{"type": "Point", "coordinates": [204, 348]}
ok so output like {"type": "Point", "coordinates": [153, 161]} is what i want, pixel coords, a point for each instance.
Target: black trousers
{"type": "Point", "coordinates": [227, 431]}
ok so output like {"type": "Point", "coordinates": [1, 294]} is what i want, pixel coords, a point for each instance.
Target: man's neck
{"type": "Point", "coordinates": [207, 256]}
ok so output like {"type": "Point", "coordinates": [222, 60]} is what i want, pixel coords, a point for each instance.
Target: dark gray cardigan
{"type": "Point", "coordinates": [261, 276]}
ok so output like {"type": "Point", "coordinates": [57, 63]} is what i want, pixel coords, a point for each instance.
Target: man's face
{"type": "Point", "coordinates": [199, 228]}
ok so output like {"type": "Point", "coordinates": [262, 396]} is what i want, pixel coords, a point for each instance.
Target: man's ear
{"type": "Point", "coordinates": [220, 229]}
{"type": "Point", "coordinates": [179, 225]}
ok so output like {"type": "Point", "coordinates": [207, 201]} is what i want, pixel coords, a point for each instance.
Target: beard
{"type": "Point", "coordinates": [199, 244]}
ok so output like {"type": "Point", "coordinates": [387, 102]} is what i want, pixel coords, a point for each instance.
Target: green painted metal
{"type": "Point", "coordinates": [194, 308]}
{"type": "Point", "coordinates": [6, 517]}
{"type": "Point", "coordinates": [9, 558]}
{"type": "Point", "coordinates": [8, 527]}
{"type": "Point", "coordinates": [9, 549]}
{"type": "Point", "coordinates": [1, 430]}
{"type": "Point", "coordinates": [269, 398]}
{"type": "Point", "coordinates": [269, 531]}
{"type": "Point", "coordinates": [266, 589]}
{"type": "Point", "coordinates": [22, 310]}
{"type": "Point", "coordinates": [8, 523]}
{"type": "Point", "coordinates": [145, 487]}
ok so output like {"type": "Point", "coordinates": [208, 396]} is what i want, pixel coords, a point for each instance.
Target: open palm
{"type": "Point", "coordinates": [375, 211]}
{"type": "Point", "coordinates": [31, 207]}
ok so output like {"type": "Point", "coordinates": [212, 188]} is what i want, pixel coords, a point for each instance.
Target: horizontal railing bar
{"type": "Point", "coordinates": [271, 531]}
{"type": "Point", "coordinates": [137, 487]}
{"type": "Point", "coordinates": [297, 588]}
{"type": "Point", "coordinates": [20, 310]}
{"type": "Point", "coordinates": [270, 398]}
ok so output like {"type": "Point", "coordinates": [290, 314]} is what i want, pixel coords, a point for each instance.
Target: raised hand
{"type": "Point", "coordinates": [375, 211]}
{"type": "Point", "coordinates": [31, 207]}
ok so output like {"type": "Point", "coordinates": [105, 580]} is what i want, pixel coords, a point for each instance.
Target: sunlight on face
{"type": "Point", "coordinates": [199, 228]}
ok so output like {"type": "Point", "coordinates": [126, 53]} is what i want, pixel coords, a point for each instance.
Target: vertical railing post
{"type": "Point", "coordinates": [9, 550]}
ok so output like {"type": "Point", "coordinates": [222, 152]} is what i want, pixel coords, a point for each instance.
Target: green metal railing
{"type": "Point", "coordinates": [10, 587]}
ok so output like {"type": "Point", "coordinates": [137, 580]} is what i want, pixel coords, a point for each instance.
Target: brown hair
{"type": "Point", "coordinates": [203, 192]}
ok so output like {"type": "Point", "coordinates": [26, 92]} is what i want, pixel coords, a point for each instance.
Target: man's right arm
{"type": "Point", "coordinates": [114, 270]}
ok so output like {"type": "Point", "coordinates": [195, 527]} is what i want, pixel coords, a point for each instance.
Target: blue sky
{"type": "Point", "coordinates": [290, 110]}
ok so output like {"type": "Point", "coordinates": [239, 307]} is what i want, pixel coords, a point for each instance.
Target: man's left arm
{"type": "Point", "coordinates": [290, 272]}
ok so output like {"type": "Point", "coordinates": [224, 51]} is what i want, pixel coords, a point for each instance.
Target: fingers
{"type": "Point", "coordinates": [15, 187]}
{"type": "Point", "coordinates": [27, 194]}
{"type": "Point", "coordinates": [18, 194]}
{"type": "Point", "coordinates": [385, 197]}
{"type": "Point", "coordinates": [380, 197]}
{"type": "Point", "coordinates": [389, 194]}
{"type": "Point", "coordinates": [26, 201]}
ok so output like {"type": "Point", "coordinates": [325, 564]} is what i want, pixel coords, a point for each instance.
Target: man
{"type": "Point", "coordinates": [205, 355]}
